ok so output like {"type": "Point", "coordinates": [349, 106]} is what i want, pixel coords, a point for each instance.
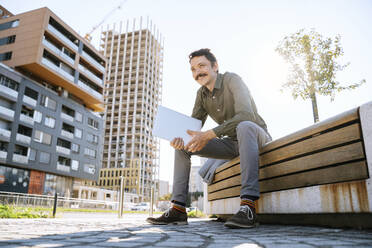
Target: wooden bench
{"type": "Point", "coordinates": [320, 170]}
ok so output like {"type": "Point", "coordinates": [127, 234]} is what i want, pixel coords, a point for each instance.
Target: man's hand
{"type": "Point", "coordinates": [199, 140]}
{"type": "Point", "coordinates": [177, 143]}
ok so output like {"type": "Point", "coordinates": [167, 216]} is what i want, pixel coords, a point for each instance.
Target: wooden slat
{"type": "Point", "coordinates": [336, 137]}
{"type": "Point", "coordinates": [317, 160]}
{"type": "Point", "coordinates": [321, 159]}
{"type": "Point", "coordinates": [341, 173]}
{"type": "Point", "coordinates": [232, 181]}
{"type": "Point", "coordinates": [314, 129]}
{"type": "Point", "coordinates": [345, 172]}
{"type": "Point", "coordinates": [234, 170]}
{"type": "Point", "coordinates": [226, 193]}
{"type": "Point", "coordinates": [228, 164]}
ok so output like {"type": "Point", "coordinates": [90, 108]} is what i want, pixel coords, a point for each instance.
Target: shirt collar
{"type": "Point", "coordinates": [217, 85]}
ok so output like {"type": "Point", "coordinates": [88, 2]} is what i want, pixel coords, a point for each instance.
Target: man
{"type": "Point", "coordinates": [240, 131]}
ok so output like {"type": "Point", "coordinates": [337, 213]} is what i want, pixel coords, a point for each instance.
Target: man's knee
{"type": "Point", "coordinates": [245, 127]}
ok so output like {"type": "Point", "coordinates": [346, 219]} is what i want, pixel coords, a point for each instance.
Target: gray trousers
{"type": "Point", "coordinates": [250, 138]}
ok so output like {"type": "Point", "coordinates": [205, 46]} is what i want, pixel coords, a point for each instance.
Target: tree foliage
{"type": "Point", "coordinates": [166, 197]}
{"type": "Point", "coordinates": [314, 64]}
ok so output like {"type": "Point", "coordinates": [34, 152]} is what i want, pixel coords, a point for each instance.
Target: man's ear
{"type": "Point", "coordinates": [215, 67]}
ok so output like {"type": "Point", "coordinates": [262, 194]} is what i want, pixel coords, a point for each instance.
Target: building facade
{"type": "Point", "coordinates": [51, 84]}
{"type": "Point", "coordinates": [195, 182]}
{"type": "Point", "coordinates": [163, 188]}
{"type": "Point", "coordinates": [132, 94]}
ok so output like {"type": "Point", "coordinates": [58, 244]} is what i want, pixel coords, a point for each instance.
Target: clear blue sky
{"type": "Point", "coordinates": [243, 35]}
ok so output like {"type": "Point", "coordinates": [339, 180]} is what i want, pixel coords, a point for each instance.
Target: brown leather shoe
{"type": "Point", "coordinates": [171, 216]}
{"type": "Point", "coordinates": [244, 218]}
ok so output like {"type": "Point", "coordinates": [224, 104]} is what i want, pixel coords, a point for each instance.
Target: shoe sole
{"type": "Point", "coordinates": [169, 223]}
{"type": "Point", "coordinates": [237, 225]}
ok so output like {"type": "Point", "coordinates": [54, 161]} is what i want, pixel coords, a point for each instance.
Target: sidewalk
{"type": "Point", "coordinates": [106, 230]}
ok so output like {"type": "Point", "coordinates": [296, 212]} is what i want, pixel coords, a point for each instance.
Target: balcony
{"type": "Point", "coordinates": [20, 159]}
{"type": "Point", "coordinates": [7, 112]}
{"type": "Point", "coordinates": [67, 134]}
{"type": "Point", "coordinates": [26, 119]}
{"type": "Point", "coordinates": [57, 51]}
{"type": "Point", "coordinates": [94, 62]}
{"type": "Point", "coordinates": [63, 167]}
{"type": "Point", "coordinates": [3, 155]}
{"type": "Point", "coordinates": [57, 69]}
{"type": "Point", "coordinates": [63, 150]}
{"type": "Point", "coordinates": [63, 37]}
{"type": "Point", "coordinates": [67, 117]}
{"type": "Point", "coordinates": [91, 75]}
{"type": "Point", "coordinates": [9, 91]}
{"type": "Point", "coordinates": [5, 134]}
{"type": "Point", "coordinates": [29, 100]}
{"type": "Point", "coordinates": [90, 90]}
{"type": "Point", "coordinates": [23, 138]}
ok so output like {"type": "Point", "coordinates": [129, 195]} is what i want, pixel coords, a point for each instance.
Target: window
{"type": "Point", "coordinates": [79, 116]}
{"type": "Point", "coordinates": [63, 143]}
{"type": "Point", "coordinates": [37, 116]}
{"type": "Point", "coordinates": [64, 161]}
{"type": "Point", "coordinates": [27, 111]}
{"type": "Point", "coordinates": [21, 150]}
{"type": "Point", "coordinates": [26, 131]}
{"type": "Point", "coordinates": [74, 165]}
{"type": "Point", "coordinates": [42, 137]}
{"type": "Point", "coordinates": [93, 123]}
{"type": "Point", "coordinates": [7, 40]}
{"type": "Point", "coordinates": [78, 133]}
{"type": "Point", "coordinates": [5, 56]}
{"type": "Point", "coordinates": [90, 152]}
{"type": "Point", "coordinates": [75, 148]}
{"type": "Point", "coordinates": [48, 102]}
{"type": "Point", "coordinates": [8, 25]}
{"type": "Point", "coordinates": [92, 138]}
{"type": "Point", "coordinates": [44, 157]}
{"type": "Point", "coordinates": [68, 111]}
{"type": "Point", "coordinates": [32, 154]}
{"type": "Point", "coordinates": [31, 93]}
{"type": "Point", "coordinates": [68, 128]}
{"type": "Point", "coordinates": [49, 121]}
{"type": "Point", "coordinates": [3, 146]}
{"type": "Point", "coordinates": [37, 136]}
{"type": "Point", "coordinates": [7, 82]}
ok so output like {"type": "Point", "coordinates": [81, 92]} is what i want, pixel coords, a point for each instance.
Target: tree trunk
{"type": "Point", "coordinates": [315, 107]}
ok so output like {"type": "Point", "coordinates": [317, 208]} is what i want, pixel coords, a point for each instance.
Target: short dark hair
{"type": "Point", "coordinates": [204, 52]}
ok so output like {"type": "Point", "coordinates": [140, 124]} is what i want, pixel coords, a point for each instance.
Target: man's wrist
{"type": "Point", "coordinates": [210, 134]}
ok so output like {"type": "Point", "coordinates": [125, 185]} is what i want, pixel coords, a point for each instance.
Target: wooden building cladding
{"type": "Point", "coordinates": [49, 51]}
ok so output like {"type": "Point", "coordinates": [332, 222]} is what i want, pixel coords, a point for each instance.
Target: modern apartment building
{"type": "Point", "coordinates": [50, 87]}
{"type": "Point", "coordinates": [132, 93]}
{"type": "Point", "coordinates": [163, 188]}
{"type": "Point", "coordinates": [195, 182]}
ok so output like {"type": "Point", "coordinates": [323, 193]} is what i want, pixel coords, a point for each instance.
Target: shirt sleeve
{"type": "Point", "coordinates": [198, 111]}
{"type": "Point", "coordinates": [242, 106]}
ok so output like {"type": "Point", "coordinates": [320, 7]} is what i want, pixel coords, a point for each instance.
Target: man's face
{"type": "Point", "coordinates": [202, 71]}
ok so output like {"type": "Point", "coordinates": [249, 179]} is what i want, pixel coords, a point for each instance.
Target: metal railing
{"type": "Point", "coordinates": [33, 200]}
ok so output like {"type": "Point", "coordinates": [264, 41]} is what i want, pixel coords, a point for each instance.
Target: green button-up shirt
{"type": "Point", "coordinates": [228, 104]}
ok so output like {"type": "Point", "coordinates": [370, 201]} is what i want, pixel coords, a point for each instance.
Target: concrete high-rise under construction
{"type": "Point", "coordinates": [134, 53]}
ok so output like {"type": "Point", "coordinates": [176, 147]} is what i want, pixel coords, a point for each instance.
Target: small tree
{"type": "Point", "coordinates": [313, 66]}
{"type": "Point", "coordinates": [166, 197]}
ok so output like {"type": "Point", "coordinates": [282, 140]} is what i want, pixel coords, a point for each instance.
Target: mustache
{"type": "Point", "coordinates": [201, 75]}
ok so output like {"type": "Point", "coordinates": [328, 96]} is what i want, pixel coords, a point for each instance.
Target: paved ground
{"type": "Point", "coordinates": [106, 230]}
